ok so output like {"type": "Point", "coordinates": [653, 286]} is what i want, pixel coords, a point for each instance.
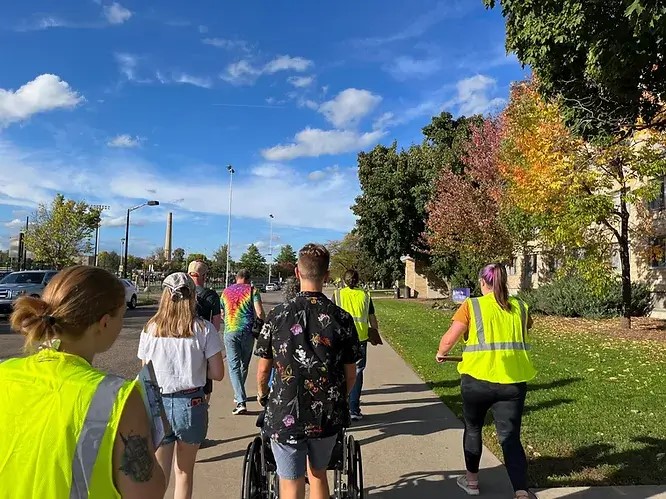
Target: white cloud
{"type": "Point", "coordinates": [405, 67]}
{"type": "Point", "coordinates": [193, 80]}
{"type": "Point", "coordinates": [287, 63]}
{"type": "Point", "coordinates": [270, 170]}
{"type": "Point", "coordinates": [443, 10]}
{"type": "Point", "coordinates": [349, 106]}
{"type": "Point", "coordinates": [129, 179]}
{"type": "Point", "coordinates": [127, 65]}
{"type": "Point", "coordinates": [383, 121]}
{"type": "Point", "coordinates": [244, 72]}
{"type": "Point", "coordinates": [17, 223]}
{"type": "Point", "coordinates": [116, 13]}
{"type": "Point", "coordinates": [224, 43]}
{"type": "Point", "coordinates": [124, 141]}
{"type": "Point", "coordinates": [301, 81]}
{"type": "Point", "coordinates": [473, 95]}
{"type": "Point", "coordinates": [313, 142]}
{"type": "Point", "coordinates": [45, 93]}
{"type": "Point", "coordinates": [240, 73]}
{"type": "Point", "coordinates": [203, 29]}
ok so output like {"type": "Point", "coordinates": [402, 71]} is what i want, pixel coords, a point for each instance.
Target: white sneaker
{"type": "Point", "coordinates": [472, 488]}
{"type": "Point", "coordinates": [356, 417]}
{"type": "Point", "coordinates": [239, 409]}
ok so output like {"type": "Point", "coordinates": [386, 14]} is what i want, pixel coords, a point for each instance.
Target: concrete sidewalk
{"type": "Point", "coordinates": [411, 443]}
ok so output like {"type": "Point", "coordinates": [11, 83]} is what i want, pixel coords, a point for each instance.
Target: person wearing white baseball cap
{"type": "Point", "coordinates": [184, 350]}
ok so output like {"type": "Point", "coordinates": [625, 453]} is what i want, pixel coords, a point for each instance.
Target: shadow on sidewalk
{"type": "Point", "coordinates": [602, 464]}
{"type": "Point", "coordinates": [418, 420]}
{"type": "Point", "coordinates": [429, 484]}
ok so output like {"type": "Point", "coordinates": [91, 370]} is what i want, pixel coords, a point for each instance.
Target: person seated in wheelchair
{"type": "Point", "coordinates": [313, 346]}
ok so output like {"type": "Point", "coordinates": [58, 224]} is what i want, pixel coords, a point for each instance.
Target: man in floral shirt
{"type": "Point", "coordinates": [313, 346]}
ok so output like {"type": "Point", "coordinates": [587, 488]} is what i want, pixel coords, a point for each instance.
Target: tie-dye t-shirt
{"type": "Point", "coordinates": [237, 304]}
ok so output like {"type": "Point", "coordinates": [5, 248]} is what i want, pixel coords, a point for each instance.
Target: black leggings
{"type": "Point", "coordinates": [506, 403]}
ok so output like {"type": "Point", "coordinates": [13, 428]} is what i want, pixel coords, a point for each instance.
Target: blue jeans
{"type": "Point", "coordinates": [239, 353]}
{"type": "Point", "coordinates": [187, 412]}
{"type": "Point", "coordinates": [355, 394]}
{"type": "Point", "coordinates": [291, 459]}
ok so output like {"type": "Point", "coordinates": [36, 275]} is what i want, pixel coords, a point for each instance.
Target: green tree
{"type": "Point", "coordinates": [253, 261]}
{"type": "Point", "coordinates": [109, 261]}
{"type": "Point", "coordinates": [604, 60]}
{"type": "Point", "coordinates": [219, 262]}
{"type": "Point", "coordinates": [178, 260]}
{"type": "Point", "coordinates": [135, 263]}
{"type": "Point", "coordinates": [348, 254]}
{"type": "Point", "coordinates": [60, 232]}
{"type": "Point", "coordinates": [396, 187]}
{"type": "Point", "coordinates": [286, 261]}
{"type": "Point", "coordinates": [156, 259]}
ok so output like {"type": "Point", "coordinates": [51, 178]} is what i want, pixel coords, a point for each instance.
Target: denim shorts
{"type": "Point", "coordinates": [291, 458]}
{"type": "Point", "coordinates": [187, 412]}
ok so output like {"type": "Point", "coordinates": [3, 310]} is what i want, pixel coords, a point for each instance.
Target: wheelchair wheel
{"type": "Point", "coordinates": [252, 487]}
{"type": "Point", "coordinates": [348, 481]}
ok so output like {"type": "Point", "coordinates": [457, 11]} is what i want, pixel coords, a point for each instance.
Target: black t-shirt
{"type": "Point", "coordinates": [310, 340]}
{"type": "Point", "coordinates": [208, 303]}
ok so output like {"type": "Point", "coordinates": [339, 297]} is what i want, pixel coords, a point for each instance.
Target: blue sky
{"type": "Point", "coordinates": [120, 102]}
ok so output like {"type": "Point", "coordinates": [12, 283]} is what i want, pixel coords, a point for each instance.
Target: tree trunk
{"type": "Point", "coordinates": [624, 261]}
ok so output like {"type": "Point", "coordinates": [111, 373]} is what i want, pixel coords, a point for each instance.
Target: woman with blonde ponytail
{"type": "Point", "coordinates": [184, 350]}
{"type": "Point", "coordinates": [70, 430]}
{"type": "Point", "coordinates": [495, 369]}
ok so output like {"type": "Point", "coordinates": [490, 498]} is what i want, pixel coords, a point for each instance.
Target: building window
{"type": "Point", "coordinates": [658, 252]}
{"type": "Point", "coordinates": [658, 203]}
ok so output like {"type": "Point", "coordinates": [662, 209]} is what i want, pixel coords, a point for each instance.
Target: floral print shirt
{"type": "Point", "coordinates": [309, 340]}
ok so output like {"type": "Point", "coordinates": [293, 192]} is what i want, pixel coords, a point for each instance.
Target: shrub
{"type": "Point", "coordinates": [574, 296]}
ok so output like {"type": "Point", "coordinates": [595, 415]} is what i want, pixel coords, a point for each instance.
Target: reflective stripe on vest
{"type": "Point", "coordinates": [482, 346]}
{"type": "Point", "coordinates": [92, 433]}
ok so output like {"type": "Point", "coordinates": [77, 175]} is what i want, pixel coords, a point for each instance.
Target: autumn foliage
{"type": "Point", "coordinates": [464, 214]}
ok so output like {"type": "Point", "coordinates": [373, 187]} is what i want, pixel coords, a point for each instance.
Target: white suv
{"type": "Point", "coordinates": [131, 293]}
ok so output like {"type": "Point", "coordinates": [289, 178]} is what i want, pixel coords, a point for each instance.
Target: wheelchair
{"type": "Point", "coordinates": [260, 479]}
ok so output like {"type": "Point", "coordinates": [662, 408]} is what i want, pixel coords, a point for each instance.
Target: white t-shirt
{"type": "Point", "coordinates": [180, 363]}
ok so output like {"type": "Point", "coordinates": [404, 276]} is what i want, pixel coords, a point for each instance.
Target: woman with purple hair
{"type": "Point", "coordinates": [495, 369]}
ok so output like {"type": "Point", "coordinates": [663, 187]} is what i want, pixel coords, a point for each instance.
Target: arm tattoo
{"type": "Point", "coordinates": [136, 463]}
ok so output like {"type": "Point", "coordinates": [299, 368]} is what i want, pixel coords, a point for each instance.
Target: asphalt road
{"type": "Point", "coordinates": [121, 358]}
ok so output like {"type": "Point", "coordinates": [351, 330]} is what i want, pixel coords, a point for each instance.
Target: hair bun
{"type": "Point", "coordinates": [49, 320]}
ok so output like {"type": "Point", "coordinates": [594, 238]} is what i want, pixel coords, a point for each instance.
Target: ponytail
{"type": "Point", "coordinates": [495, 275]}
{"type": "Point", "coordinates": [32, 317]}
{"type": "Point", "coordinates": [75, 299]}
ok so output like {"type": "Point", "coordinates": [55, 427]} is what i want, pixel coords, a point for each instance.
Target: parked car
{"type": "Point", "coordinates": [131, 293]}
{"type": "Point", "coordinates": [272, 286]}
{"type": "Point", "coordinates": [24, 283]}
{"type": "Point", "coordinates": [260, 286]}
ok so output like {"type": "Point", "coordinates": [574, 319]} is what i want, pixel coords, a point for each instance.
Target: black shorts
{"type": "Point", "coordinates": [208, 387]}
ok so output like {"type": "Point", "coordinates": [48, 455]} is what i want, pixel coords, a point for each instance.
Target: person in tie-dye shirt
{"type": "Point", "coordinates": [241, 304]}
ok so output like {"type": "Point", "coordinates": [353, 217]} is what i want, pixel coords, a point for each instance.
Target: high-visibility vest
{"type": "Point", "coordinates": [58, 422]}
{"type": "Point", "coordinates": [496, 346]}
{"type": "Point", "coordinates": [357, 303]}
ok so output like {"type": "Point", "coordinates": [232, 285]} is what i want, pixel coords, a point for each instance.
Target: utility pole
{"type": "Point", "coordinates": [270, 250]}
{"type": "Point", "coordinates": [101, 208]}
{"type": "Point", "coordinates": [25, 249]}
{"type": "Point", "coordinates": [231, 171]}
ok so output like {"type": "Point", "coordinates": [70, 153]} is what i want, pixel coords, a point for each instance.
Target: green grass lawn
{"type": "Point", "coordinates": [595, 414]}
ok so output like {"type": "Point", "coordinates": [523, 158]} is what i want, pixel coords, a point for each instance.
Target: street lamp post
{"type": "Point", "coordinates": [101, 208]}
{"type": "Point", "coordinates": [231, 171]}
{"type": "Point", "coordinates": [270, 250]}
{"type": "Point", "coordinates": [127, 224]}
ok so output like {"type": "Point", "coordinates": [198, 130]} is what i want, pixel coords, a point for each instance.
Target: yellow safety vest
{"type": "Point", "coordinates": [357, 303]}
{"type": "Point", "coordinates": [496, 346]}
{"type": "Point", "coordinates": [58, 422]}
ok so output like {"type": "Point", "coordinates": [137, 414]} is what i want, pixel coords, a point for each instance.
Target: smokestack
{"type": "Point", "coordinates": [167, 239]}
